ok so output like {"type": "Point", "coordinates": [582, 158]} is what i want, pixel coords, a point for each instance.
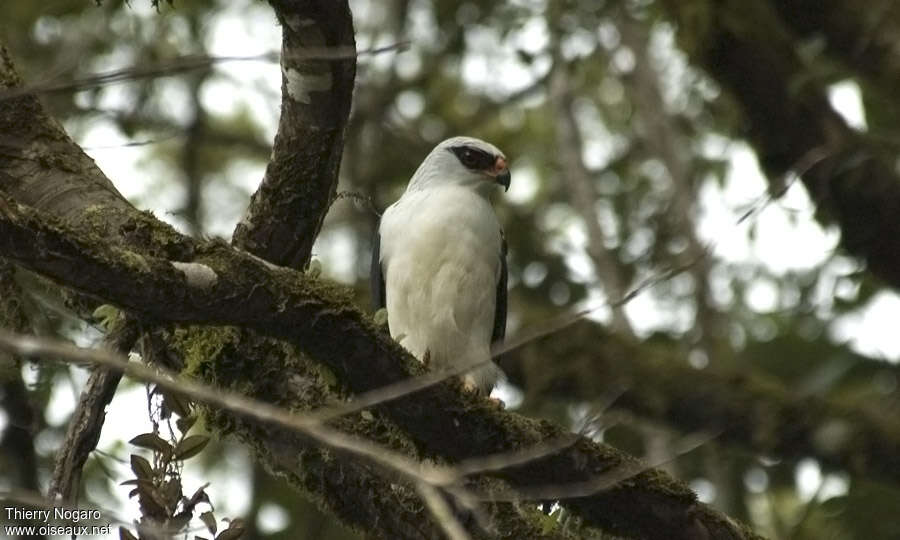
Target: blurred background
{"type": "Point", "coordinates": [628, 173]}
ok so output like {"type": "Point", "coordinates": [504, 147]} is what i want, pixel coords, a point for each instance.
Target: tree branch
{"type": "Point", "coordinates": [747, 411]}
{"type": "Point", "coordinates": [749, 50]}
{"type": "Point", "coordinates": [425, 477]}
{"type": "Point", "coordinates": [286, 212]}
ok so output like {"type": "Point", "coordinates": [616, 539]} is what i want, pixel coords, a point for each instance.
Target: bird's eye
{"type": "Point", "coordinates": [473, 158]}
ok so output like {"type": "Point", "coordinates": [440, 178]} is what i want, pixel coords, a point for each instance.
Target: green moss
{"type": "Point", "coordinates": [132, 260]}
{"type": "Point", "coordinates": [201, 345]}
{"type": "Point", "coordinates": [96, 217]}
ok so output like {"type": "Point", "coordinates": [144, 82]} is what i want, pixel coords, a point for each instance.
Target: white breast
{"type": "Point", "coordinates": [440, 252]}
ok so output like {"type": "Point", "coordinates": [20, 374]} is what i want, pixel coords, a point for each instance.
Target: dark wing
{"type": "Point", "coordinates": [376, 276]}
{"type": "Point", "coordinates": [500, 308]}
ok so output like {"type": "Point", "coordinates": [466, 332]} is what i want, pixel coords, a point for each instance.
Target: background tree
{"type": "Point", "coordinates": [635, 129]}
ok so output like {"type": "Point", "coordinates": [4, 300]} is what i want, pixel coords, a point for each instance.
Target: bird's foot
{"type": "Point", "coordinates": [471, 387]}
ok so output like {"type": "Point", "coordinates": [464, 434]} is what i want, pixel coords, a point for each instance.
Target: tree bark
{"type": "Point", "coordinates": [286, 212]}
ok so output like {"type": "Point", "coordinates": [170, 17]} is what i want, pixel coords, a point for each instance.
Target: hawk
{"type": "Point", "coordinates": [439, 260]}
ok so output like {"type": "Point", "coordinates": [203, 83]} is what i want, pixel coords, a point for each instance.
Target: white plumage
{"type": "Point", "coordinates": [439, 267]}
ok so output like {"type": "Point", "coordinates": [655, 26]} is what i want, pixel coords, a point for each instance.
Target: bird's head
{"type": "Point", "coordinates": [463, 161]}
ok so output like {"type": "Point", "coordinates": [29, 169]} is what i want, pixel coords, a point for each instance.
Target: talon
{"type": "Point", "coordinates": [497, 403]}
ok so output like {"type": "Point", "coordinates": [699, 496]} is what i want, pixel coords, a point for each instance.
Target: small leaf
{"type": "Point", "coordinates": [234, 531]}
{"type": "Point", "coordinates": [381, 317]}
{"type": "Point", "coordinates": [125, 534]}
{"type": "Point", "coordinates": [152, 503]}
{"type": "Point", "coordinates": [209, 520]}
{"type": "Point", "coordinates": [191, 446]}
{"type": "Point", "coordinates": [171, 492]}
{"type": "Point", "coordinates": [141, 467]}
{"type": "Point", "coordinates": [180, 521]}
{"type": "Point", "coordinates": [199, 496]}
{"type": "Point", "coordinates": [177, 404]}
{"type": "Point", "coordinates": [152, 441]}
{"type": "Point", "coordinates": [185, 423]}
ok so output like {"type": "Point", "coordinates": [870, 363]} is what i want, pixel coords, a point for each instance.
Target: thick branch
{"type": "Point", "coordinates": [286, 212]}
{"type": "Point", "coordinates": [747, 48]}
{"type": "Point", "coordinates": [752, 413]}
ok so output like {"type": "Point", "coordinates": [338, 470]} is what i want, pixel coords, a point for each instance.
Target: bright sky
{"type": "Point", "coordinates": [787, 237]}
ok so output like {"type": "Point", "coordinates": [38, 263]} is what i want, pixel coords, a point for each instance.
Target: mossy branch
{"type": "Point", "coordinates": [286, 212]}
{"type": "Point", "coordinates": [746, 410]}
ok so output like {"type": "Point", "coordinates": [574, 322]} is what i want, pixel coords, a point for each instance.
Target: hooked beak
{"type": "Point", "coordinates": [500, 172]}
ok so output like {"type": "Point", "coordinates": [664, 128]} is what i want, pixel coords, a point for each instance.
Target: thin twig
{"type": "Point", "coordinates": [167, 137]}
{"type": "Point", "coordinates": [360, 198]}
{"type": "Point", "coordinates": [185, 64]}
{"type": "Point", "coordinates": [408, 386]}
{"type": "Point", "coordinates": [505, 460]}
{"type": "Point", "coordinates": [803, 165]}
{"type": "Point", "coordinates": [566, 320]}
{"type": "Point", "coordinates": [599, 483]}
{"type": "Point", "coordinates": [441, 511]}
